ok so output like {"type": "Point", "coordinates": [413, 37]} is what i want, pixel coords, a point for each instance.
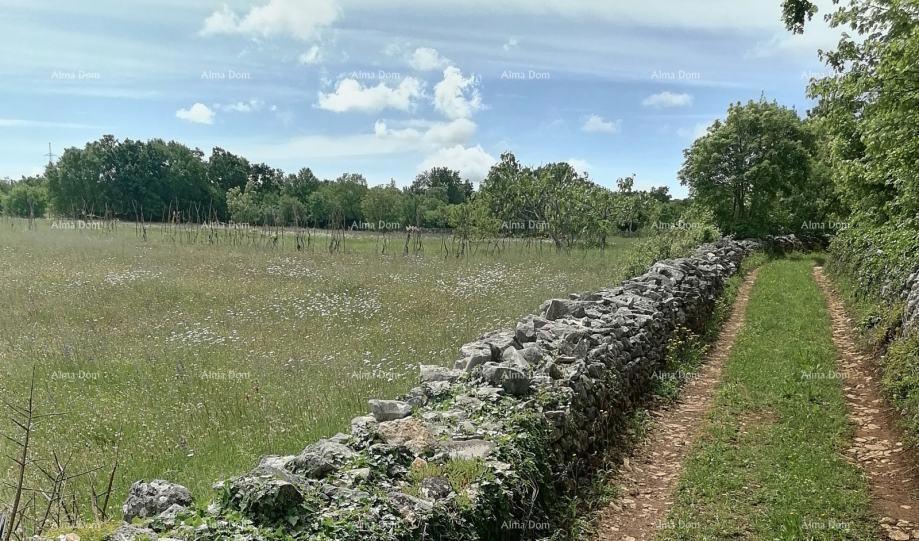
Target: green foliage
{"type": "Point", "coordinates": [383, 208]}
{"type": "Point", "coordinates": [901, 382]}
{"type": "Point", "coordinates": [871, 265]}
{"type": "Point", "coordinates": [460, 473]}
{"type": "Point", "coordinates": [755, 170]}
{"type": "Point", "coordinates": [554, 201]}
{"type": "Point", "coordinates": [796, 13]}
{"type": "Point", "coordinates": [123, 179]}
{"type": "Point", "coordinates": [868, 111]}
{"type": "Point", "coordinates": [26, 198]}
{"type": "Point", "coordinates": [456, 190]}
{"type": "Point", "coordinates": [877, 259]}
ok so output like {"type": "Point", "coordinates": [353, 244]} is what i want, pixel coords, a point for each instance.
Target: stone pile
{"type": "Point", "coordinates": [476, 451]}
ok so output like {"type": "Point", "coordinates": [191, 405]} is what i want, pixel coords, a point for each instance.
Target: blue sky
{"type": "Point", "coordinates": [387, 88]}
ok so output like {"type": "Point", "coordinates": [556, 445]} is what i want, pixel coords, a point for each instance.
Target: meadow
{"type": "Point", "coordinates": [182, 359]}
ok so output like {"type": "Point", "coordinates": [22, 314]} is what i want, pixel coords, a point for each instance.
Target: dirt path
{"type": "Point", "coordinates": [877, 447]}
{"type": "Point", "coordinates": [649, 478]}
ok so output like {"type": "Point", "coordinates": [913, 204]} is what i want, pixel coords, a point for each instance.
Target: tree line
{"type": "Point", "coordinates": [158, 181]}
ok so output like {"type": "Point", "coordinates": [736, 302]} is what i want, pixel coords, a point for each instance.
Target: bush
{"type": "Point", "coordinates": [26, 200]}
{"type": "Point", "coordinates": [873, 267]}
{"type": "Point", "coordinates": [879, 260]}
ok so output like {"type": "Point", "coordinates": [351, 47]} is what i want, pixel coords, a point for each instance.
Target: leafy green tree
{"type": "Point", "coordinates": [745, 167]}
{"type": "Point", "coordinates": [346, 194]}
{"type": "Point", "coordinates": [383, 207]}
{"type": "Point", "coordinates": [227, 170]}
{"type": "Point", "coordinates": [75, 181]}
{"type": "Point", "coordinates": [301, 185]}
{"type": "Point", "coordinates": [868, 109]}
{"type": "Point", "coordinates": [547, 200]}
{"type": "Point", "coordinates": [446, 179]}
{"type": "Point", "coordinates": [796, 13]}
{"type": "Point", "coordinates": [26, 200]}
{"type": "Point", "coordinates": [243, 207]}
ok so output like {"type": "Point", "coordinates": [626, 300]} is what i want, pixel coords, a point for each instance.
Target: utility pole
{"type": "Point", "coordinates": [50, 154]}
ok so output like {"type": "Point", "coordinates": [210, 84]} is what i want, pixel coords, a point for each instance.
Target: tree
{"type": "Point", "coordinates": [549, 200]}
{"type": "Point", "coordinates": [868, 110]}
{"type": "Point", "coordinates": [383, 207]}
{"type": "Point", "coordinates": [745, 167]}
{"type": "Point", "coordinates": [301, 185]}
{"type": "Point", "coordinates": [226, 170]}
{"type": "Point", "coordinates": [796, 13]}
{"type": "Point", "coordinates": [443, 178]}
{"type": "Point", "coordinates": [26, 200]}
{"type": "Point", "coordinates": [346, 194]}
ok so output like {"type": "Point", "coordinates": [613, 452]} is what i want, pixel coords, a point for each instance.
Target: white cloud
{"type": "Point", "coordinates": [581, 166]}
{"type": "Point", "coordinates": [457, 96]}
{"type": "Point", "coordinates": [253, 105]}
{"type": "Point", "coordinates": [510, 44]}
{"type": "Point", "coordinates": [222, 21]}
{"type": "Point", "coordinates": [473, 163]}
{"type": "Point", "coordinates": [351, 95]}
{"type": "Point", "coordinates": [427, 59]}
{"type": "Point", "coordinates": [197, 113]}
{"type": "Point", "coordinates": [598, 124]}
{"type": "Point", "coordinates": [667, 99]}
{"type": "Point", "coordinates": [312, 56]}
{"type": "Point", "coordinates": [429, 134]}
{"type": "Point", "coordinates": [419, 137]}
{"type": "Point", "coordinates": [299, 19]}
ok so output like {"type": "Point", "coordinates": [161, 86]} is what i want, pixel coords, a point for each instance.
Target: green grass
{"type": "Point", "coordinates": [195, 359]}
{"type": "Point", "coordinates": [770, 463]}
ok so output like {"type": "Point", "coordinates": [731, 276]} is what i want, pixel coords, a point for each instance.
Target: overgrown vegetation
{"type": "Point", "coordinates": [871, 267]}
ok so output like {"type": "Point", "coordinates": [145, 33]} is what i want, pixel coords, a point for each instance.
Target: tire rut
{"type": "Point", "coordinates": [877, 445]}
{"type": "Point", "coordinates": [649, 477]}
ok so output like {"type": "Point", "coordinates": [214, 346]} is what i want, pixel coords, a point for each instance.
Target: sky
{"type": "Point", "coordinates": [388, 88]}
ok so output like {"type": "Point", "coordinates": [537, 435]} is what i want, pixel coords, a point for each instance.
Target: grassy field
{"type": "Point", "coordinates": [770, 465]}
{"type": "Point", "coordinates": [195, 359]}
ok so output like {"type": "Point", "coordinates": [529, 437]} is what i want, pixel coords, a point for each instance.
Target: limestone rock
{"type": "Point", "coordinates": [150, 499]}
{"type": "Point", "coordinates": [389, 410]}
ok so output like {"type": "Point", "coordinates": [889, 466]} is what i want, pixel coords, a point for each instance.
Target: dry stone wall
{"type": "Point", "coordinates": [486, 449]}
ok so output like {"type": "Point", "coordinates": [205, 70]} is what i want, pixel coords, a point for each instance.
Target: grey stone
{"type": "Point", "coordinates": [500, 341]}
{"type": "Point", "coordinates": [468, 449]}
{"type": "Point", "coordinates": [474, 354]}
{"type": "Point", "coordinates": [533, 354]}
{"type": "Point", "coordinates": [363, 427]}
{"type": "Point", "coordinates": [319, 459]}
{"type": "Point", "coordinates": [150, 499]}
{"type": "Point", "coordinates": [389, 410]}
{"type": "Point", "coordinates": [410, 432]}
{"type": "Point", "coordinates": [439, 373]}
{"type": "Point", "coordinates": [128, 532]}
{"type": "Point", "coordinates": [513, 357]}
{"type": "Point", "coordinates": [559, 308]}
{"type": "Point", "coordinates": [513, 380]}
{"type": "Point", "coordinates": [435, 488]}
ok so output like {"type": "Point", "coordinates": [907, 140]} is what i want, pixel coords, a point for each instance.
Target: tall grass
{"type": "Point", "coordinates": [194, 358]}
